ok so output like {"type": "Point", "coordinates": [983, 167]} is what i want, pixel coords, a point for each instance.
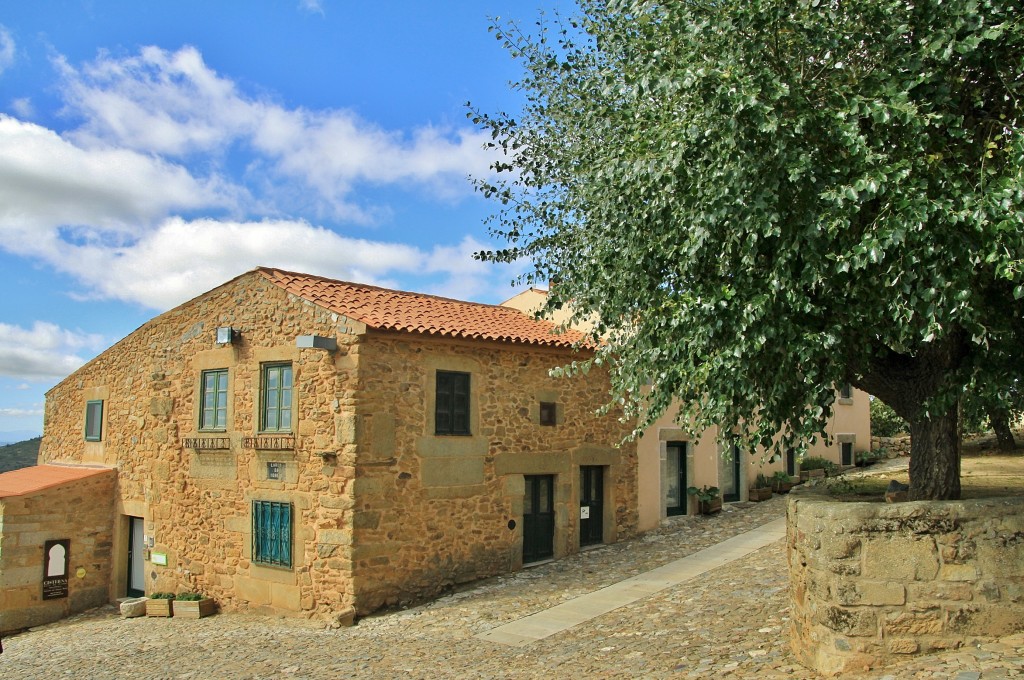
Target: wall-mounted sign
{"type": "Point", "coordinates": [158, 558]}
{"type": "Point", "coordinates": [584, 512]}
{"type": "Point", "coordinates": [56, 555]}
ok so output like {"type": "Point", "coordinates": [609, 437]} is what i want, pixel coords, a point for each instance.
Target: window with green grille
{"type": "Point", "coordinates": [272, 533]}
{"type": "Point", "coordinates": [277, 398]}
{"type": "Point", "coordinates": [214, 398]}
{"type": "Point", "coordinates": [94, 420]}
{"type": "Point", "coordinates": [451, 407]}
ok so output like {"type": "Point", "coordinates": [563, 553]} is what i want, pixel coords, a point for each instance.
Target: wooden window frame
{"type": "Point", "coordinates": [452, 403]}
{"type": "Point", "coordinates": [220, 386]}
{"type": "Point", "coordinates": [272, 400]}
{"type": "Point", "coordinates": [548, 415]}
{"type": "Point", "coordinates": [94, 420]}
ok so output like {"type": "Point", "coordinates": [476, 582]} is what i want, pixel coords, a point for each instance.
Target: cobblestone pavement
{"type": "Point", "coordinates": [727, 623]}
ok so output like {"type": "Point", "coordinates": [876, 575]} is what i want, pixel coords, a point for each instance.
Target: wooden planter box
{"type": "Point", "coordinates": [194, 609]}
{"type": "Point", "coordinates": [758, 495]}
{"type": "Point", "coordinates": [160, 607]}
{"type": "Point", "coordinates": [709, 507]}
{"type": "Point", "coordinates": [811, 474]}
{"type": "Point", "coordinates": [782, 487]}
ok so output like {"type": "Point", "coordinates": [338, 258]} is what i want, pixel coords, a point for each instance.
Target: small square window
{"type": "Point", "coordinates": [548, 413]}
{"type": "Point", "coordinates": [275, 470]}
{"type": "Point", "coordinates": [94, 421]}
{"type": "Point", "coordinates": [846, 391]}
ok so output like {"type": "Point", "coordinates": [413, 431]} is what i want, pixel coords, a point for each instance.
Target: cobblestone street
{"type": "Point", "coordinates": [730, 622]}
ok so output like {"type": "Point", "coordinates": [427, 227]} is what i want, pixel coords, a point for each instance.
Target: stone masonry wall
{"type": "Point", "coordinates": [433, 511]}
{"type": "Point", "coordinates": [81, 511]}
{"type": "Point", "coordinates": [871, 581]}
{"type": "Point", "coordinates": [196, 503]}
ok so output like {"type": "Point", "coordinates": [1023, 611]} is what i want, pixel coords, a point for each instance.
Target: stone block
{"type": "Point", "coordinates": [938, 591]}
{"type": "Point", "coordinates": [902, 646]}
{"type": "Point", "coordinates": [958, 572]}
{"type": "Point", "coordinates": [853, 622]}
{"type": "Point", "coordinates": [913, 624]}
{"type": "Point", "coordinates": [985, 620]}
{"type": "Point", "coordinates": [286, 597]}
{"type": "Point", "coordinates": [133, 607]}
{"type": "Point", "coordinates": [335, 536]}
{"type": "Point", "coordinates": [900, 558]}
{"type": "Point", "coordinates": [440, 472]}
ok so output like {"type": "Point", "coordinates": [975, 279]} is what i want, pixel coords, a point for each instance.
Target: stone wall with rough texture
{"type": "Point", "coordinates": [80, 511]}
{"type": "Point", "coordinates": [433, 511]}
{"type": "Point", "coordinates": [383, 510]}
{"type": "Point", "coordinates": [873, 581]}
{"type": "Point", "coordinates": [196, 503]}
{"type": "Point", "coordinates": [894, 446]}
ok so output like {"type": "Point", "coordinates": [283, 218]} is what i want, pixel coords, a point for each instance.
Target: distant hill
{"type": "Point", "coordinates": [22, 454]}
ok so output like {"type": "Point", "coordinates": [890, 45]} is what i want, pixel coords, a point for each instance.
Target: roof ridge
{"type": "Point", "coordinates": [270, 270]}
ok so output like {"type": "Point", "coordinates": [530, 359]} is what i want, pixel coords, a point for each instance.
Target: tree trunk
{"type": "Point", "coordinates": [1001, 426]}
{"type": "Point", "coordinates": [935, 457]}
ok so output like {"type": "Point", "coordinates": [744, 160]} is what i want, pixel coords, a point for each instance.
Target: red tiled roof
{"type": "Point", "coordinates": [24, 481]}
{"type": "Point", "coordinates": [396, 310]}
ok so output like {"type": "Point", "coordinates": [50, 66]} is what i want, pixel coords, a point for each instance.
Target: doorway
{"type": "Point", "coordinates": [591, 505]}
{"type": "Point", "coordinates": [538, 518]}
{"type": "Point", "coordinates": [791, 462]}
{"type": "Point", "coordinates": [136, 558]}
{"type": "Point", "coordinates": [729, 474]}
{"type": "Point", "coordinates": [675, 479]}
{"type": "Point", "coordinates": [847, 452]}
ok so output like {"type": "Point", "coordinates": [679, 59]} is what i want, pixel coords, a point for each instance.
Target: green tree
{"type": "Point", "coordinates": [761, 199]}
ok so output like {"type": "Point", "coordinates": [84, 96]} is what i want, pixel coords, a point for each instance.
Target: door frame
{"type": "Point", "coordinates": [543, 522]}
{"type": "Point", "coordinates": [595, 505]}
{"type": "Point", "coordinates": [683, 508]}
{"type": "Point", "coordinates": [136, 554]}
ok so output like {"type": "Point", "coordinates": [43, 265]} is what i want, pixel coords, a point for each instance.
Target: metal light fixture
{"type": "Point", "coordinates": [317, 342]}
{"type": "Point", "coordinates": [225, 334]}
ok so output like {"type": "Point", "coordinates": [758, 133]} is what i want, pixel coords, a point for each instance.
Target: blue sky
{"type": "Point", "coordinates": [150, 151]}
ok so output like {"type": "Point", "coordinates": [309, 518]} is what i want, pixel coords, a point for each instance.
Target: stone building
{"type": "Point", "coordinates": [670, 461]}
{"type": "Point", "coordinates": [294, 444]}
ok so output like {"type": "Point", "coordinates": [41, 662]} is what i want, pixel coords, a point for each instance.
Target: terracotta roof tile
{"type": "Point", "coordinates": [24, 481]}
{"type": "Point", "coordinates": [395, 310]}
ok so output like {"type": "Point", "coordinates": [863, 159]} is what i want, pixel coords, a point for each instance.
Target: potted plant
{"type": "Point", "coordinates": [811, 468]}
{"type": "Point", "coordinates": [761, 489]}
{"type": "Point", "coordinates": [193, 605]}
{"type": "Point", "coordinates": [708, 499]}
{"type": "Point", "coordinates": [160, 604]}
{"type": "Point", "coordinates": [781, 482]}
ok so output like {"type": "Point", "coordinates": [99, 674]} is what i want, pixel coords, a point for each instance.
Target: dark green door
{"type": "Point", "coordinates": [847, 452]}
{"type": "Point", "coordinates": [538, 518]}
{"type": "Point", "coordinates": [791, 462]}
{"type": "Point", "coordinates": [675, 479]}
{"type": "Point", "coordinates": [729, 475]}
{"type": "Point", "coordinates": [591, 504]}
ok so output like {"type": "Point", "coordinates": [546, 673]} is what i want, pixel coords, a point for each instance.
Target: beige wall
{"type": "Point", "coordinates": [79, 510]}
{"type": "Point", "coordinates": [851, 419]}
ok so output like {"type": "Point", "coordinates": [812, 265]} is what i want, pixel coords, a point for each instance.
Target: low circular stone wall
{"type": "Point", "coordinates": [873, 581]}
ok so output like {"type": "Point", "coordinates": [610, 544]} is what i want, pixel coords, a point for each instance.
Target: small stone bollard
{"type": "Point", "coordinates": [134, 607]}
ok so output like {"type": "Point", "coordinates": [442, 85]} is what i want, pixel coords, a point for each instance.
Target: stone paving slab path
{"type": "Point", "coordinates": [730, 622]}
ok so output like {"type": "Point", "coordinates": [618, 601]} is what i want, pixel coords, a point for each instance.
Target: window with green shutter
{"type": "Point", "coordinates": [277, 398]}
{"type": "Point", "coordinates": [451, 406]}
{"type": "Point", "coordinates": [214, 400]}
{"type": "Point", "coordinates": [272, 533]}
{"type": "Point", "coordinates": [94, 420]}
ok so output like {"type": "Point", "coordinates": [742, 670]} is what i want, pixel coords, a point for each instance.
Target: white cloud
{"type": "Point", "coordinates": [6, 49]}
{"type": "Point", "coordinates": [173, 104]}
{"type": "Point", "coordinates": [181, 259]}
{"type": "Point", "coordinates": [20, 412]}
{"type": "Point", "coordinates": [44, 351]}
{"type": "Point", "coordinates": [23, 107]}
{"type": "Point", "coordinates": [23, 386]}
{"type": "Point", "coordinates": [311, 6]}
{"type": "Point", "coordinates": [47, 183]}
